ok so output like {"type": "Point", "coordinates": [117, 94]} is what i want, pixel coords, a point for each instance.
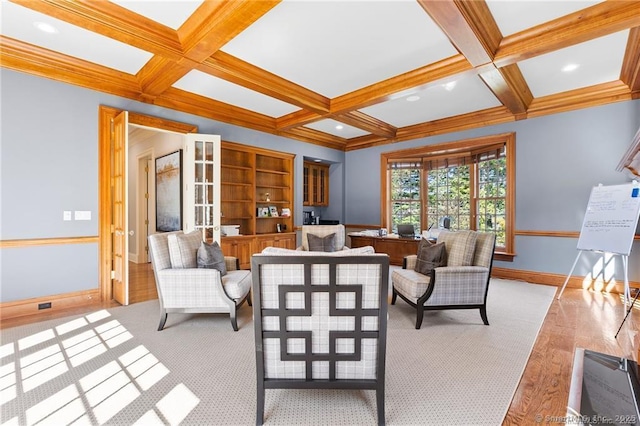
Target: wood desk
{"type": "Point", "coordinates": [396, 248]}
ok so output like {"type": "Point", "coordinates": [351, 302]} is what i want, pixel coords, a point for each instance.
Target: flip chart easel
{"type": "Point", "coordinates": [609, 226]}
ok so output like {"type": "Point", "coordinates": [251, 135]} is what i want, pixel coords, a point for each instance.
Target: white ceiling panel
{"type": "Point", "coordinates": [515, 16]}
{"type": "Point", "coordinates": [169, 13]}
{"type": "Point", "coordinates": [20, 23]}
{"type": "Point", "coordinates": [334, 48]}
{"type": "Point", "coordinates": [330, 126]}
{"type": "Point", "coordinates": [469, 94]}
{"type": "Point", "coordinates": [221, 90]}
{"type": "Point", "coordinates": [544, 73]}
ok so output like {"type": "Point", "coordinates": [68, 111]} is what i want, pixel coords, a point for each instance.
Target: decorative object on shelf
{"type": "Point", "coordinates": [169, 192]}
{"type": "Point", "coordinates": [230, 230]}
{"type": "Point", "coordinates": [285, 212]}
{"type": "Point", "coordinates": [267, 197]}
{"type": "Point", "coordinates": [273, 211]}
{"type": "Point", "coordinates": [263, 211]}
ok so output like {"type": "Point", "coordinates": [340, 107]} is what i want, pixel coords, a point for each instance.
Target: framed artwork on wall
{"type": "Point", "coordinates": [169, 192]}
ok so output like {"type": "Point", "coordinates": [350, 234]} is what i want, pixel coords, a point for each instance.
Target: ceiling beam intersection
{"type": "Point", "coordinates": [211, 26]}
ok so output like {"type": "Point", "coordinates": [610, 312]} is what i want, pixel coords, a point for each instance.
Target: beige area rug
{"type": "Point", "coordinates": [113, 367]}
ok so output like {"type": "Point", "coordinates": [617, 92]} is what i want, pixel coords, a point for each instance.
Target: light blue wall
{"type": "Point", "coordinates": [558, 160]}
{"type": "Point", "coordinates": [49, 163]}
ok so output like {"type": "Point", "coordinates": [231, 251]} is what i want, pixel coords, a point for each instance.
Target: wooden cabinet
{"type": "Point", "coordinates": [241, 247]}
{"type": "Point", "coordinates": [287, 241]}
{"type": "Point", "coordinates": [315, 184]}
{"type": "Point", "coordinates": [274, 191]}
{"type": "Point", "coordinates": [255, 179]}
{"type": "Point", "coordinates": [236, 198]}
{"type": "Point", "coordinates": [396, 248]}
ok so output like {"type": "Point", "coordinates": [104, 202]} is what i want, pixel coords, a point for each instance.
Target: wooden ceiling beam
{"type": "Point", "coordinates": [113, 21]}
{"type": "Point", "coordinates": [596, 21]}
{"type": "Point", "coordinates": [240, 72]}
{"type": "Point", "coordinates": [469, 25]}
{"type": "Point", "coordinates": [403, 84]}
{"type": "Point", "coordinates": [204, 107]}
{"type": "Point", "coordinates": [315, 137]}
{"type": "Point", "coordinates": [491, 116]}
{"type": "Point", "coordinates": [209, 28]}
{"type": "Point", "coordinates": [367, 141]}
{"type": "Point", "coordinates": [509, 86]}
{"type": "Point", "coordinates": [296, 119]}
{"type": "Point", "coordinates": [160, 73]}
{"type": "Point", "coordinates": [366, 122]}
{"type": "Point", "coordinates": [630, 74]}
{"type": "Point", "coordinates": [216, 22]}
{"type": "Point", "coordinates": [472, 120]}
{"type": "Point", "coordinates": [20, 56]}
{"type": "Point", "coordinates": [585, 97]}
{"type": "Point", "coordinates": [354, 118]}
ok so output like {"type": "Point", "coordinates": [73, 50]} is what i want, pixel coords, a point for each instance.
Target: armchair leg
{"type": "Point", "coordinates": [419, 315]}
{"type": "Point", "coordinates": [232, 315]}
{"type": "Point", "coordinates": [260, 406]}
{"type": "Point", "coordinates": [249, 299]}
{"type": "Point", "coordinates": [163, 319]}
{"type": "Point", "coordinates": [483, 314]}
{"type": "Point", "coordinates": [380, 406]}
{"type": "Point", "coordinates": [394, 296]}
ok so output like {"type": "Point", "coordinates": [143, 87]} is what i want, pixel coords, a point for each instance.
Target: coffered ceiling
{"type": "Point", "coordinates": [342, 74]}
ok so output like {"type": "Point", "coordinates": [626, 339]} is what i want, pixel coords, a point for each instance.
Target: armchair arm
{"type": "Point", "coordinates": [409, 261]}
{"type": "Point", "coordinates": [192, 288]}
{"type": "Point", "coordinates": [232, 263]}
{"type": "Point", "coordinates": [459, 285]}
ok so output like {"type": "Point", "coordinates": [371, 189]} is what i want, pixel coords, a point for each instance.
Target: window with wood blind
{"type": "Point", "coordinates": [469, 183]}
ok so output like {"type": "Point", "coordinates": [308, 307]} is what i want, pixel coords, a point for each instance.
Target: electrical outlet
{"type": "Point", "coordinates": [46, 305]}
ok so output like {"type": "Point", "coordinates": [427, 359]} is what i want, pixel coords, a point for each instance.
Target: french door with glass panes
{"type": "Point", "coordinates": [202, 185]}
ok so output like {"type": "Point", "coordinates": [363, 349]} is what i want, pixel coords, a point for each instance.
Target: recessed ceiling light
{"type": "Point", "coordinates": [339, 127]}
{"type": "Point", "coordinates": [413, 98]}
{"type": "Point", "coordinates": [449, 86]}
{"type": "Point", "coordinates": [570, 67]}
{"type": "Point", "coordinates": [46, 28]}
{"type": "Point", "coordinates": [317, 160]}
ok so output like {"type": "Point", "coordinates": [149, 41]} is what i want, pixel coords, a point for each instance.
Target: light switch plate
{"type": "Point", "coordinates": [82, 215]}
{"type": "Point", "coordinates": [66, 215]}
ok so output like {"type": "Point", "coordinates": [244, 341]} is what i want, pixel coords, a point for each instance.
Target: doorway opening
{"type": "Point", "coordinates": [142, 154]}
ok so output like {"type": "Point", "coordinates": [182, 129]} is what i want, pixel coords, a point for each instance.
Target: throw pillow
{"type": "Point", "coordinates": [210, 256]}
{"type": "Point", "coordinates": [430, 256]}
{"type": "Point", "coordinates": [183, 249]}
{"type": "Point", "coordinates": [326, 243]}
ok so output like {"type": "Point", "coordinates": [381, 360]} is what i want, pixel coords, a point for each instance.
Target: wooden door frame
{"type": "Point", "coordinates": [105, 201]}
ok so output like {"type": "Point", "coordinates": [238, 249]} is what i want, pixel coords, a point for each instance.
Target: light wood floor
{"type": "Point", "coordinates": [581, 318]}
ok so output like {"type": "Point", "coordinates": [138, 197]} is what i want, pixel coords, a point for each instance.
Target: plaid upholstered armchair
{"type": "Point", "coordinates": [319, 238]}
{"type": "Point", "coordinates": [186, 287]}
{"type": "Point", "coordinates": [452, 274]}
{"type": "Point", "coordinates": [320, 321]}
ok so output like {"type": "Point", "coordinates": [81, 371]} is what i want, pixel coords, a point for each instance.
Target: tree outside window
{"type": "Point", "coordinates": [406, 203]}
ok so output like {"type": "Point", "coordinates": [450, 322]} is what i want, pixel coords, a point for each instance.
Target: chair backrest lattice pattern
{"type": "Point", "coordinates": [320, 321]}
